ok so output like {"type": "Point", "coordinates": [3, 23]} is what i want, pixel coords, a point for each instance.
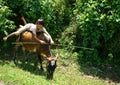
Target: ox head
{"type": "Point", "coordinates": [51, 65]}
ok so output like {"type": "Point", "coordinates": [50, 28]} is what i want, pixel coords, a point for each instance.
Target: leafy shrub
{"type": "Point", "coordinates": [6, 23]}
{"type": "Point", "coordinates": [98, 22]}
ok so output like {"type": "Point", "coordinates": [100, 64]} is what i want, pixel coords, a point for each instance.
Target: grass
{"type": "Point", "coordinates": [25, 73]}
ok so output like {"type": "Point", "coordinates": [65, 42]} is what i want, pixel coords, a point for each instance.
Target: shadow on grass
{"type": "Point", "coordinates": [28, 63]}
{"type": "Point", "coordinates": [106, 71]}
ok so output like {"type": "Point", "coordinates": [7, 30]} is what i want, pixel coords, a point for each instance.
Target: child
{"type": "Point", "coordinates": [34, 28]}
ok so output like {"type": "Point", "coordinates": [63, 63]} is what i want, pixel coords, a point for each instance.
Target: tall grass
{"type": "Point", "coordinates": [25, 73]}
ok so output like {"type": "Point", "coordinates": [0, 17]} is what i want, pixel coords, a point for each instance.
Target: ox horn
{"type": "Point", "coordinates": [52, 58]}
{"type": "Point", "coordinates": [56, 56]}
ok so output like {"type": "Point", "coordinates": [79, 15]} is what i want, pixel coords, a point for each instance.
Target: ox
{"type": "Point", "coordinates": [43, 51]}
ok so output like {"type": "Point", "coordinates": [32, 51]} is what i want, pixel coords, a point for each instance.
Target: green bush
{"type": "Point", "coordinates": [98, 22]}
{"type": "Point", "coordinates": [5, 14]}
{"type": "Point", "coordinates": [6, 23]}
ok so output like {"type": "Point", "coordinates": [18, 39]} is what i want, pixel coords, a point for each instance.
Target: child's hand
{"type": "Point", "coordinates": [4, 38]}
{"type": "Point", "coordinates": [42, 42]}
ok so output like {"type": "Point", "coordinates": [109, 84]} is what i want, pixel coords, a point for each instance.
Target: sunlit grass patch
{"type": "Point", "coordinates": [26, 73]}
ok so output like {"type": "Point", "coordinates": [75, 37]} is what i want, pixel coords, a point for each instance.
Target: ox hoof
{"type": "Point", "coordinates": [41, 69]}
{"type": "Point", "coordinates": [14, 60]}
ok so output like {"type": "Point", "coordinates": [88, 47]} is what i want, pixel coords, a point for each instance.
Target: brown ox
{"type": "Point", "coordinates": [43, 51]}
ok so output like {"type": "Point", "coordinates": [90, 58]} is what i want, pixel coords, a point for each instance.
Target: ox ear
{"type": "Point", "coordinates": [52, 58]}
{"type": "Point", "coordinates": [56, 56]}
{"type": "Point", "coordinates": [44, 56]}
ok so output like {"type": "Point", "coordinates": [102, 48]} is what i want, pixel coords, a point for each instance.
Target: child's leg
{"type": "Point", "coordinates": [14, 33]}
{"type": "Point", "coordinates": [20, 30]}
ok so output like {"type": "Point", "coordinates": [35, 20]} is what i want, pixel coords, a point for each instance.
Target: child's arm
{"type": "Point", "coordinates": [38, 40]}
{"type": "Point", "coordinates": [51, 40]}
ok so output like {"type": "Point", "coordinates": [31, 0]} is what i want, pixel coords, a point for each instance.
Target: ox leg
{"type": "Point", "coordinates": [15, 54]}
{"type": "Point", "coordinates": [40, 60]}
{"type": "Point", "coordinates": [25, 53]}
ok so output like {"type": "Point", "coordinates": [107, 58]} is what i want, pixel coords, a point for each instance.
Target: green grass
{"type": "Point", "coordinates": [25, 73]}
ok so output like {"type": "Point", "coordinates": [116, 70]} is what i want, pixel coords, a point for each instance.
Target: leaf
{"type": "Point", "coordinates": [6, 33]}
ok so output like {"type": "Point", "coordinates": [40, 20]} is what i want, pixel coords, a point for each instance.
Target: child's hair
{"type": "Point", "coordinates": [40, 21]}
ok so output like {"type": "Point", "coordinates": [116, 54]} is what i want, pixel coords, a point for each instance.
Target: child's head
{"type": "Point", "coordinates": [40, 23]}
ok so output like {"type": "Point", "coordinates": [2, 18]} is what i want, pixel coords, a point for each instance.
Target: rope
{"type": "Point", "coordinates": [54, 45]}
{"type": "Point", "coordinates": [75, 46]}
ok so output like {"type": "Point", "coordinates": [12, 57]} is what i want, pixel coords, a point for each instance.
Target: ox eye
{"type": "Point", "coordinates": [52, 63]}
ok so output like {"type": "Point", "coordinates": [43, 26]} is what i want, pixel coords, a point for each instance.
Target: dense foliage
{"type": "Point", "coordinates": [84, 23]}
{"type": "Point", "coordinates": [95, 24]}
{"type": "Point", "coordinates": [6, 24]}
{"type": "Point", "coordinates": [98, 23]}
